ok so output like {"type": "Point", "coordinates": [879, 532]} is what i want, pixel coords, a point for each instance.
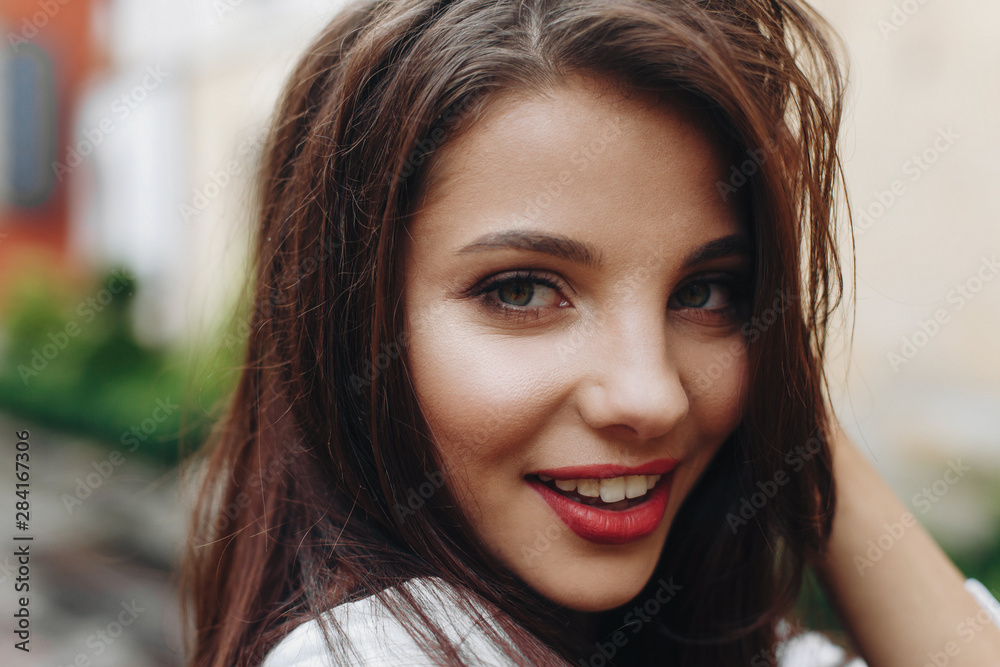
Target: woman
{"type": "Point", "coordinates": [535, 370]}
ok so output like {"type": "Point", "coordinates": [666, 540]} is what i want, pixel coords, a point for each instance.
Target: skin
{"type": "Point", "coordinates": [910, 607]}
{"type": "Point", "coordinates": [603, 369]}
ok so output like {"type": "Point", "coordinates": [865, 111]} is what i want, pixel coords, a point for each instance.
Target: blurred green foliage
{"type": "Point", "coordinates": [71, 362]}
{"type": "Point", "coordinates": [983, 564]}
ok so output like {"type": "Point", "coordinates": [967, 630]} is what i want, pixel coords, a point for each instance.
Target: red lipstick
{"type": "Point", "coordinates": [604, 471]}
{"type": "Point", "coordinates": [603, 526]}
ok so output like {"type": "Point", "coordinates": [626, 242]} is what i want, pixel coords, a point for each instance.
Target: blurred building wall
{"type": "Point", "coordinates": [189, 91]}
{"type": "Point", "coordinates": [48, 54]}
{"type": "Point", "coordinates": [159, 109]}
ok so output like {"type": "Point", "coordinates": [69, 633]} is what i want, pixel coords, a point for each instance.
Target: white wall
{"type": "Point", "coordinates": [190, 90]}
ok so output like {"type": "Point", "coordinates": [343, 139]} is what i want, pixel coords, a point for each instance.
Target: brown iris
{"type": "Point", "coordinates": [519, 291]}
{"type": "Point", "coordinates": [695, 295]}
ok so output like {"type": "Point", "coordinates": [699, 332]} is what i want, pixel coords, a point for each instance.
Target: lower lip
{"type": "Point", "coordinates": [608, 526]}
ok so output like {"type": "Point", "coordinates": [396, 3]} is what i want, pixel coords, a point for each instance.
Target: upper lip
{"type": "Point", "coordinates": [609, 471]}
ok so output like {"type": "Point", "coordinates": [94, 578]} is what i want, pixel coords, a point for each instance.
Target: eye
{"type": "Point", "coordinates": [703, 295]}
{"type": "Point", "coordinates": [522, 294]}
{"type": "Point", "coordinates": [716, 300]}
{"type": "Point", "coordinates": [516, 292]}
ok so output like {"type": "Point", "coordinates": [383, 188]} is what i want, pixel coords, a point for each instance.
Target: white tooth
{"type": "Point", "coordinates": [635, 486]}
{"type": "Point", "coordinates": [651, 481]}
{"type": "Point", "coordinates": [566, 484]}
{"type": "Point", "coordinates": [613, 490]}
{"type": "Point", "coordinates": [588, 487]}
{"type": "Point", "coordinates": [545, 478]}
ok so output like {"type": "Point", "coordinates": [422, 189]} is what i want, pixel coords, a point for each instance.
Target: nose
{"type": "Point", "coordinates": [631, 384]}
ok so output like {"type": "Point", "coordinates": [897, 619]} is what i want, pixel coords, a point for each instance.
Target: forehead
{"type": "Point", "coordinates": [578, 155]}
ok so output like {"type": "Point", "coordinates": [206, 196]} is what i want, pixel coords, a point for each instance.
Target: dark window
{"type": "Point", "coordinates": [29, 138]}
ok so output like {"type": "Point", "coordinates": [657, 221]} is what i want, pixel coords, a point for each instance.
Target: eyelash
{"type": "Point", "coordinates": [514, 313]}
{"type": "Point", "coordinates": [734, 310]}
{"type": "Point", "coordinates": [722, 315]}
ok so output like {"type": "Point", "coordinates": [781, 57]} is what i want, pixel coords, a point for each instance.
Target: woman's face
{"type": "Point", "coordinates": [571, 274]}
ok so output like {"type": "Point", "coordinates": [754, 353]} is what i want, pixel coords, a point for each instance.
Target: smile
{"type": "Point", "coordinates": [616, 493]}
{"type": "Point", "coordinates": [607, 504]}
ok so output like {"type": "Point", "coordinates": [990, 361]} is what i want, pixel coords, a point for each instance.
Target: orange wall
{"type": "Point", "coordinates": [64, 33]}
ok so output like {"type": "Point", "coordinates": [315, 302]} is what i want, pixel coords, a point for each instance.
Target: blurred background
{"type": "Point", "coordinates": [128, 133]}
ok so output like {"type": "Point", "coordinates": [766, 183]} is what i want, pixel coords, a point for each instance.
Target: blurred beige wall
{"type": "Point", "coordinates": [923, 90]}
{"type": "Point", "coordinates": [922, 384]}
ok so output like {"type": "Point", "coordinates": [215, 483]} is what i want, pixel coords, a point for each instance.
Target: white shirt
{"type": "Point", "coordinates": [379, 640]}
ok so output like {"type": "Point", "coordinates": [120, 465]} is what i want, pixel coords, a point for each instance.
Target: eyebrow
{"type": "Point", "coordinates": [726, 246]}
{"type": "Point", "coordinates": [590, 256]}
{"type": "Point", "coordinates": [550, 244]}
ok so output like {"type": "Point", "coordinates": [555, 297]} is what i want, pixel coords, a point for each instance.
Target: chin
{"type": "Point", "coordinates": [591, 578]}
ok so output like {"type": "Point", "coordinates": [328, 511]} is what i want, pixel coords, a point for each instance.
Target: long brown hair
{"type": "Point", "coordinates": [309, 479]}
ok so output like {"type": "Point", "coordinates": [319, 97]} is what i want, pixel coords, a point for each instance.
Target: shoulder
{"type": "Point", "coordinates": [376, 638]}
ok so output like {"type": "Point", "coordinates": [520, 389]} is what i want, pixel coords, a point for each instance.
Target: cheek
{"type": "Point", "coordinates": [716, 379]}
{"type": "Point", "coordinates": [484, 399]}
